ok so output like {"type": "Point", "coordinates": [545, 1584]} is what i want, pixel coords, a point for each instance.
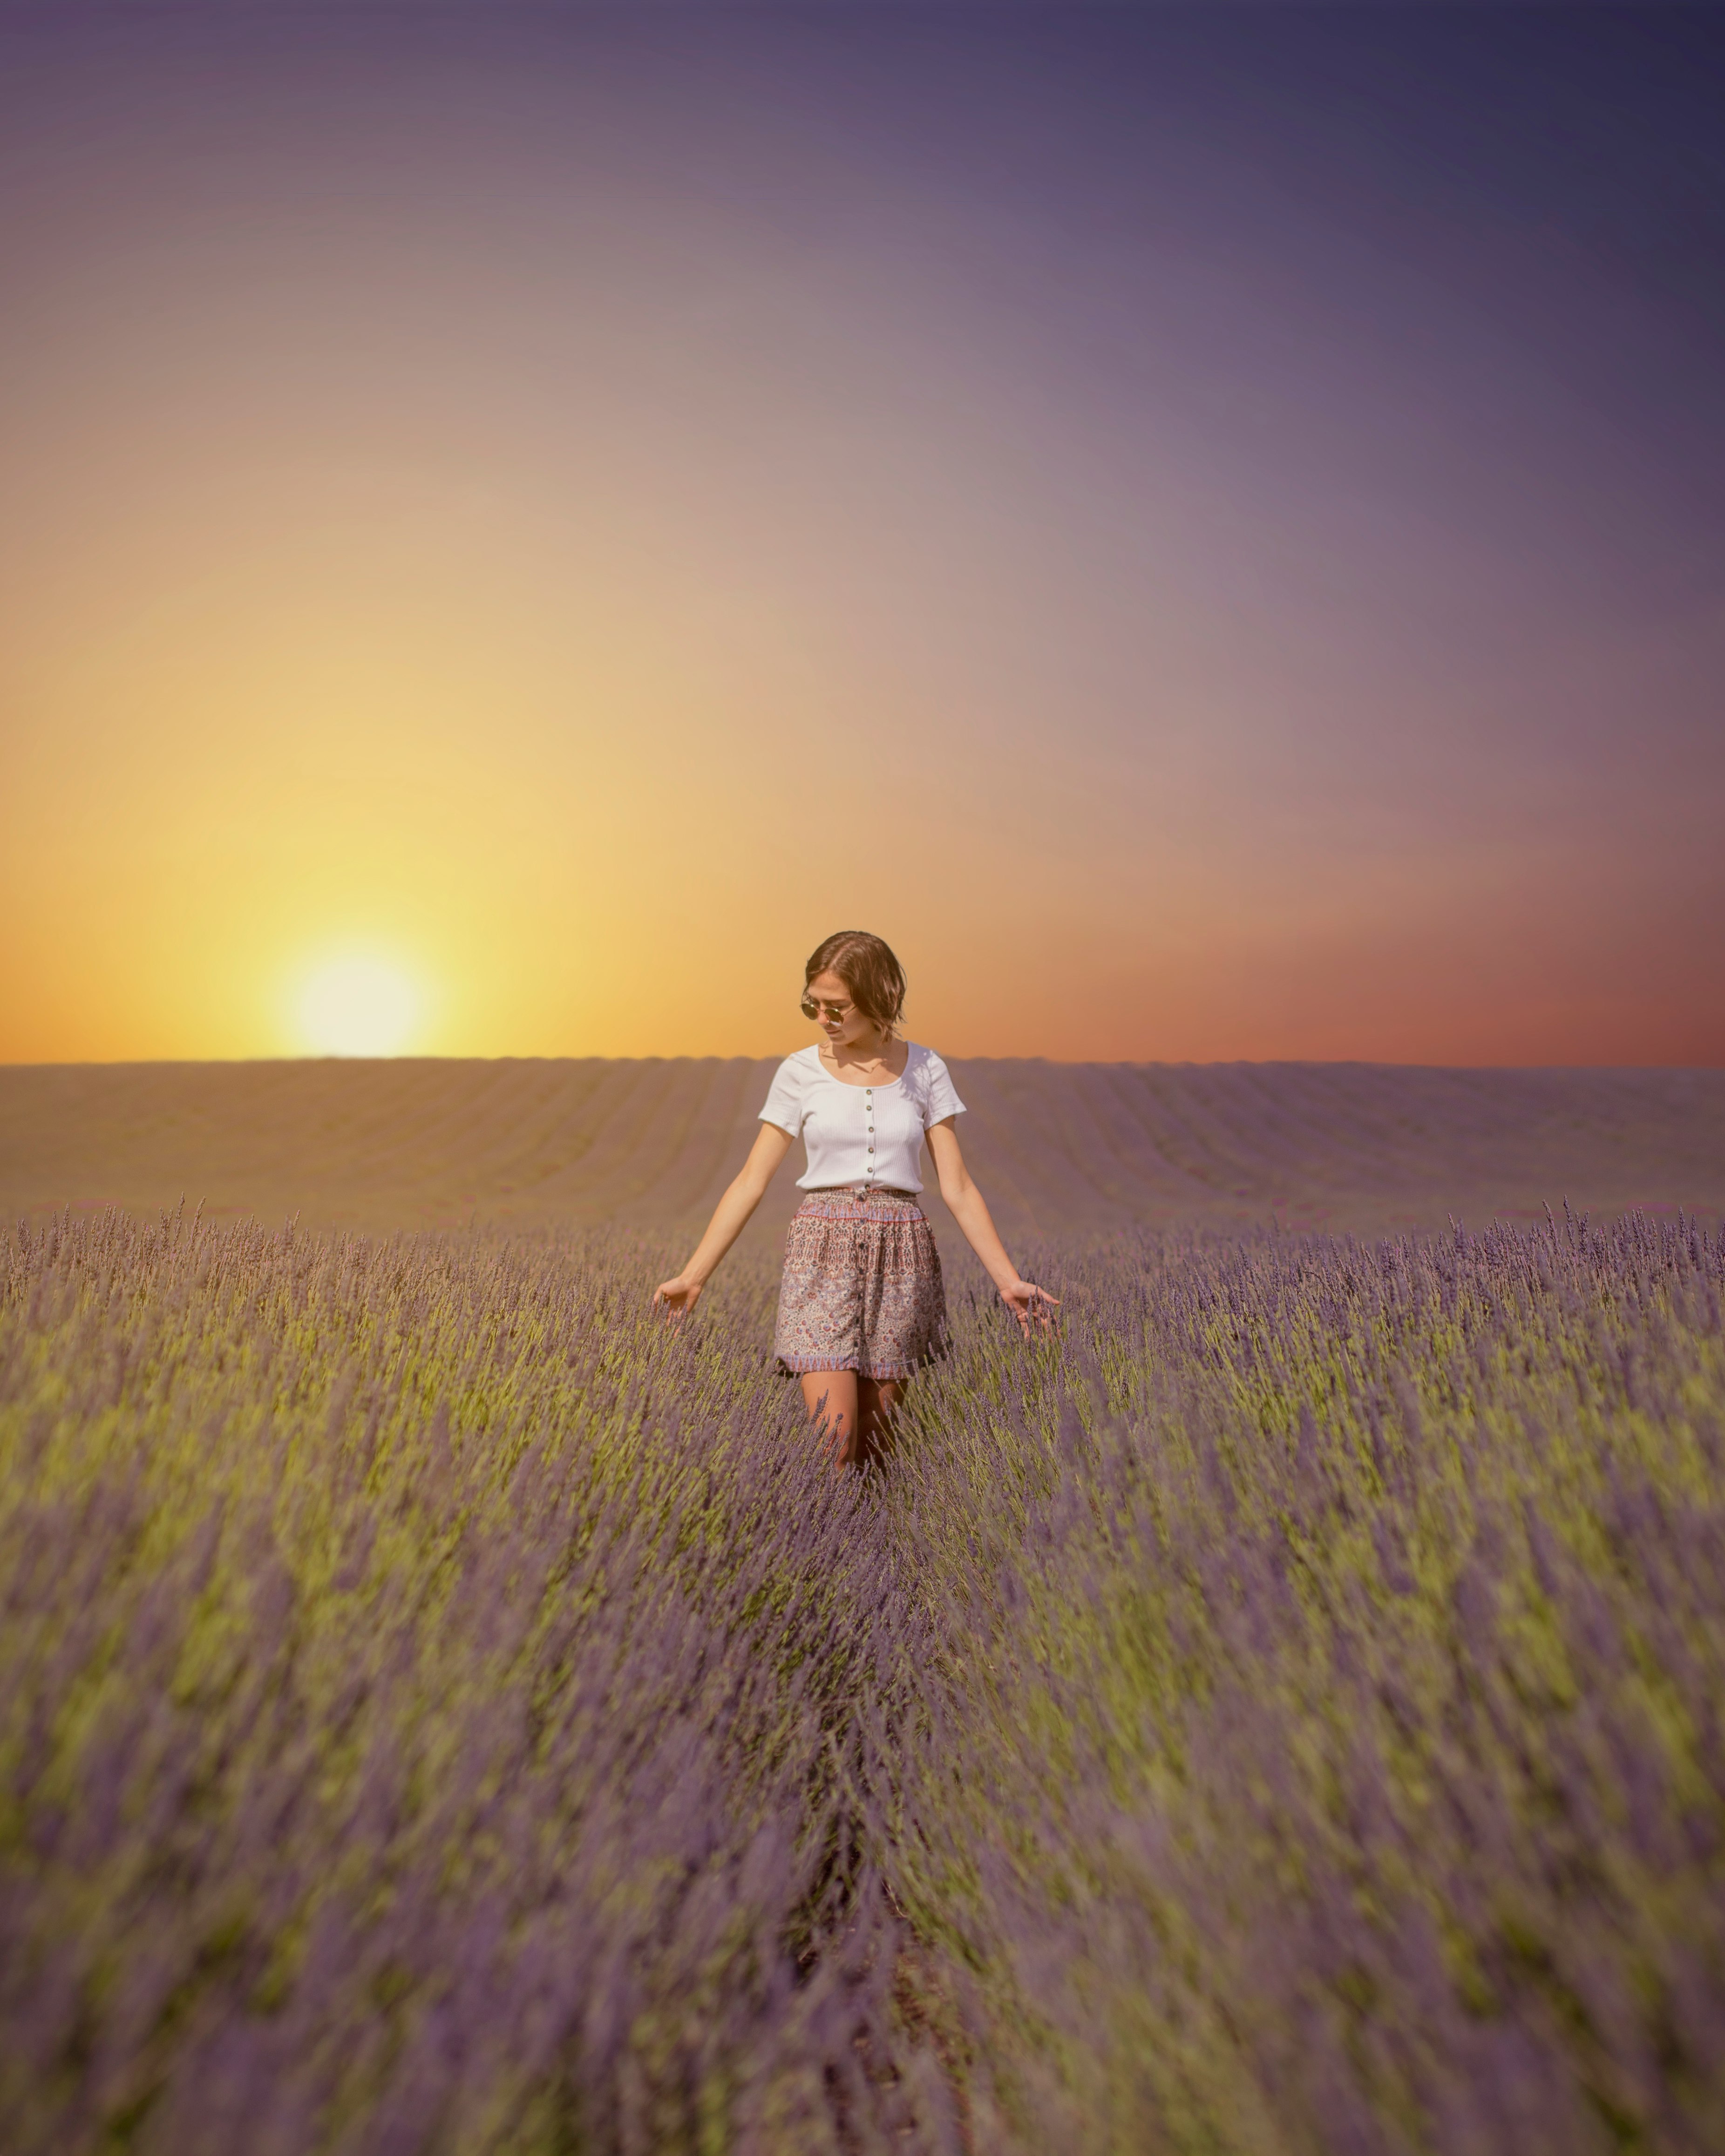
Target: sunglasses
{"type": "Point", "coordinates": [813, 1007]}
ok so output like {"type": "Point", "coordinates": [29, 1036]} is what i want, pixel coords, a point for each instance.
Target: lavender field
{"type": "Point", "coordinates": [446, 1710]}
{"type": "Point", "coordinates": [428, 1142]}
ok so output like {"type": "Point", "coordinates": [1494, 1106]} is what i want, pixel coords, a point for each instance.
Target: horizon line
{"type": "Point", "coordinates": [1070, 1063]}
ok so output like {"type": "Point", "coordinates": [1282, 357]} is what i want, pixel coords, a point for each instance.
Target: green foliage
{"type": "Point", "coordinates": [1339, 1700]}
{"type": "Point", "coordinates": [445, 1706]}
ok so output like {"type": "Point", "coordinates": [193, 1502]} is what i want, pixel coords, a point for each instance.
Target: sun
{"type": "Point", "coordinates": [359, 1003]}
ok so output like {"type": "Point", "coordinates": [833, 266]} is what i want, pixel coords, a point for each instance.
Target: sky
{"type": "Point", "coordinates": [1204, 525]}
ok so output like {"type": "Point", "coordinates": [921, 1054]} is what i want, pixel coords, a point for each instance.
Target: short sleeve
{"type": "Point", "coordinates": [785, 1098]}
{"type": "Point", "coordinates": [942, 1094]}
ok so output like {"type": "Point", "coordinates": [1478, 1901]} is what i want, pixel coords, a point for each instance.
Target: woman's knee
{"type": "Point", "coordinates": [830, 1397]}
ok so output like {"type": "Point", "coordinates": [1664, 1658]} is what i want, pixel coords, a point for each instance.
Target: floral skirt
{"type": "Point", "coordinates": [862, 1288]}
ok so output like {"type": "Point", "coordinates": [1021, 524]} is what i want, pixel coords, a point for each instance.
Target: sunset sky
{"type": "Point", "coordinates": [1204, 526]}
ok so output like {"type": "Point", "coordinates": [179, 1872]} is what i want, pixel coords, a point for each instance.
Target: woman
{"type": "Point", "coordinates": [861, 1305]}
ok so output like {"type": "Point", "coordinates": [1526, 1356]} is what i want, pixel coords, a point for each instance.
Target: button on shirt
{"type": "Point", "coordinates": [871, 1135]}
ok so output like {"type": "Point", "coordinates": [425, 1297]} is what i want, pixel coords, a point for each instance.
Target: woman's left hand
{"type": "Point", "coordinates": [1028, 1302]}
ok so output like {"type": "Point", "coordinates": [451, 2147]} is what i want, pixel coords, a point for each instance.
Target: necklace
{"type": "Point", "coordinates": [876, 1062]}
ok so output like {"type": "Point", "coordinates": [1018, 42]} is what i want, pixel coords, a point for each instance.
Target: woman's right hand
{"type": "Point", "coordinates": [679, 1296]}
{"type": "Point", "coordinates": [1030, 1305]}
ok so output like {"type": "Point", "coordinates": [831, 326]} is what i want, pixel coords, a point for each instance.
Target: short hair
{"type": "Point", "coordinates": [868, 969]}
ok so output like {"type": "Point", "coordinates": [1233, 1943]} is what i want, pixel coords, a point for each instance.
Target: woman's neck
{"type": "Point", "coordinates": [885, 1050]}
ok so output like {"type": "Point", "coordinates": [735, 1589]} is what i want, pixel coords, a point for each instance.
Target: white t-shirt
{"type": "Point", "coordinates": [860, 1134]}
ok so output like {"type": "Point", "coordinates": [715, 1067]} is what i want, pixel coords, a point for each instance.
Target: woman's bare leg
{"type": "Point", "coordinates": [855, 1413]}
{"type": "Point", "coordinates": [875, 1399]}
{"type": "Point", "coordinates": [830, 1398]}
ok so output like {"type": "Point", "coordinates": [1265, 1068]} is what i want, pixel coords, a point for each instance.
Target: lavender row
{"type": "Point", "coordinates": [1332, 1755]}
{"type": "Point", "coordinates": [426, 1712]}
{"type": "Point", "coordinates": [442, 1707]}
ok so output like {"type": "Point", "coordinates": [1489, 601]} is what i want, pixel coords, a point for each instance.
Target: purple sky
{"type": "Point", "coordinates": [1237, 493]}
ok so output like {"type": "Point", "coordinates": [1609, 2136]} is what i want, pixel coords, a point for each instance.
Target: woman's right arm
{"type": "Point", "coordinates": [730, 1217]}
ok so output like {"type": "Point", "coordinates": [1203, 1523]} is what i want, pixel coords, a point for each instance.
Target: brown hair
{"type": "Point", "coordinates": [868, 969]}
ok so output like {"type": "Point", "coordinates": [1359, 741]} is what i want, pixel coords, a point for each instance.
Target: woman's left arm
{"type": "Point", "coordinates": [969, 1209]}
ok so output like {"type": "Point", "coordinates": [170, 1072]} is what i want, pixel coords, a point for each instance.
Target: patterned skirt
{"type": "Point", "coordinates": [862, 1288]}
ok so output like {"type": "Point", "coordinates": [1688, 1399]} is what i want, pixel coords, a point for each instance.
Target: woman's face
{"type": "Point", "coordinates": [840, 1021]}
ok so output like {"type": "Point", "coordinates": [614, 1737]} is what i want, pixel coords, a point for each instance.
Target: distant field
{"type": "Point", "coordinates": [1058, 1146]}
